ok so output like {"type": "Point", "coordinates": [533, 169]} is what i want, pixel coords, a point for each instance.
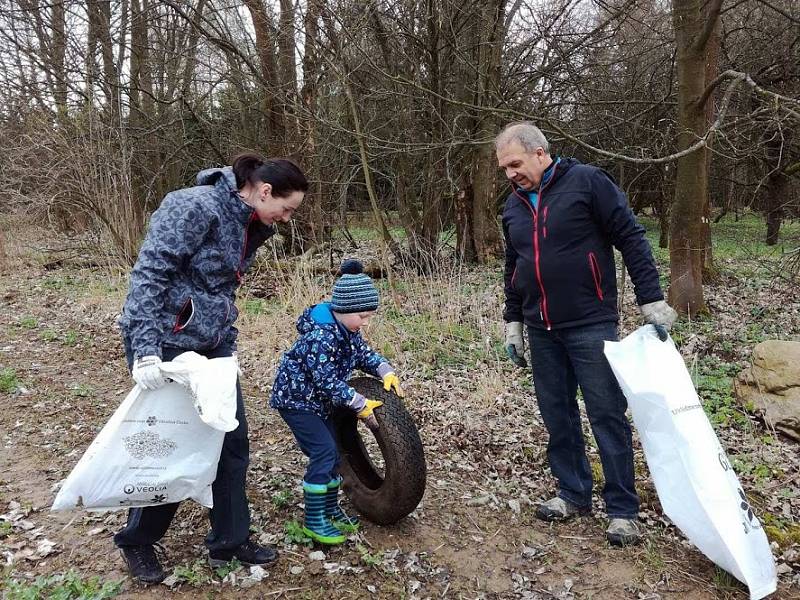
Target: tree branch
{"type": "Point", "coordinates": [712, 16]}
{"type": "Point", "coordinates": [779, 11]}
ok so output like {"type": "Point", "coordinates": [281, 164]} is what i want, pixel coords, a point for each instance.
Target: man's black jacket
{"type": "Point", "coordinates": [559, 268]}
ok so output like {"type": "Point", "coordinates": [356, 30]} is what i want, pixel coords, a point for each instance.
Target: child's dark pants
{"type": "Point", "coordinates": [317, 439]}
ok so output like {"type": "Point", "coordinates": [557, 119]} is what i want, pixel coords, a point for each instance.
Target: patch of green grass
{"type": "Point", "coordinates": [194, 574]}
{"type": "Point", "coordinates": [366, 232]}
{"type": "Point", "coordinates": [281, 499]}
{"type": "Point", "coordinates": [714, 386]}
{"type": "Point", "coordinates": [28, 322]}
{"type": "Point", "coordinates": [70, 338]}
{"type": "Point", "coordinates": [781, 530]}
{"type": "Point", "coordinates": [433, 341]}
{"type": "Point", "coordinates": [653, 557]}
{"type": "Point", "coordinates": [48, 335]}
{"type": "Point", "coordinates": [746, 466]}
{"type": "Point", "coordinates": [67, 586]}
{"type": "Point", "coordinates": [82, 390]}
{"type": "Point", "coordinates": [61, 283]}
{"type": "Point", "coordinates": [367, 558]}
{"type": "Point", "coordinates": [8, 381]}
{"type": "Point", "coordinates": [5, 529]}
{"type": "Point", "coordinates": [732, 239]}
{"type": "Point", "coordinates": [228, 568]}
{"type": "Point", "coordinates": [723, 580]}
{"type": "Point", "coordinates": [293, 533]}
{"type": "Point", "coordinates": [254, 306]}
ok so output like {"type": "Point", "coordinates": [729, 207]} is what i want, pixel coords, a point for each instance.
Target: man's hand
{"type": "Point", "coordinates": [659, 313]}
{"type": "Point", "coordinates": [366, 414]}
{"type": "Point", "coordinates": [147, 372]}
{"type": "Point", "coordinates": [392, 382]}
{"type": "Point", "coordinates": [515, 343]}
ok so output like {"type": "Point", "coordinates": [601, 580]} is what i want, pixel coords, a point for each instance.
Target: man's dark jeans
{"type": "Point", "coordinates": [230, 517]}
{"type": "Point", "coordinates": [564, 359]}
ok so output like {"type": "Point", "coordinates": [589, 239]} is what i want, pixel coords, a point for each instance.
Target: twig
{"type": "Point", "coordinates": [469, 516]}
{"type": "Point", "coordinates": [281, 592]}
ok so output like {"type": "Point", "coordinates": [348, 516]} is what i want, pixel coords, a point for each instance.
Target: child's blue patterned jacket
{"type": "Point", "coordinates": [313, 373]}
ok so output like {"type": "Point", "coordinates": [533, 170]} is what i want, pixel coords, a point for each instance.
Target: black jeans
{"type": "Point", "coordinates": [230, 517]}
{"type": "Point", "coordinates": [564, 359]}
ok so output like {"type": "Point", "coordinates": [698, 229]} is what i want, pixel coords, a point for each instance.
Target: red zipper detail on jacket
{"type": "Point", "coordinates": [542, 188]}
{"type": "Point", "coordinates": [595, 267]}
{"type": "Point", "coordinates": [534, 214]}
{"type": "Point", "coordinates": [239, 275]}
{"type": "Point", "coordinates": [513, 276]}
{"type": "Point", "coordinates": [178, 327]}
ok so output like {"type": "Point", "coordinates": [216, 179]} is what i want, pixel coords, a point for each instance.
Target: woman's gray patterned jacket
{"type": "Point", "coordinates": [182, 289]}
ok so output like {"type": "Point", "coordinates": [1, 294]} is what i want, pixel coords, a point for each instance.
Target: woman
{"type": "Point", "coordinates": [200, 242]}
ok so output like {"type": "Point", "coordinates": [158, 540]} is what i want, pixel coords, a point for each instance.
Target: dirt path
{"type": "Point", "coordinates": [474, 536]}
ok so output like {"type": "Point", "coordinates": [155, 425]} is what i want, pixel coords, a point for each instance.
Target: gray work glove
{"type": "Point", "coordinates": [659, 313]}
{"type": "Point", "coordinates": [147, 372]}
{"type": "Point", "coordinates": [515, 343]}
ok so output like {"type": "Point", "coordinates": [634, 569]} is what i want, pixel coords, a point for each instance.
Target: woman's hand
{"type": "Point", "coordinates": [147, 372]}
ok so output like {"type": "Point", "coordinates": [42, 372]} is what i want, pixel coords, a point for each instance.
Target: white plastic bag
{"type": "Point", "coordinates": [212, 383]}
{"type": "Point", "coordinates": [697, 487]}
{"type": "Point", "coordinates": [155, 448]}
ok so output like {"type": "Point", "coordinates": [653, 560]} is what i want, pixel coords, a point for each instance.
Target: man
{"type": "Point", "coordinates": [561, 222]}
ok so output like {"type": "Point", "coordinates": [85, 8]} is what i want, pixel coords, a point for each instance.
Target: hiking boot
{"type": "Point", "coordinates": [558, 509]}
{"type": "Point", "coordinates": [249, 554]}
{"type": "Point", "coordinates": [334, 512]}
{"type": "Point", "coordinates": [143, 564]}
{"type": "Point", "coordinates": [316, 525]}
{"type": "Point", "coordinates": [623, 532]}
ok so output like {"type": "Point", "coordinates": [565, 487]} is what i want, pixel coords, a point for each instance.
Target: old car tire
{"type": "Point", "coordinates": [381, 499]}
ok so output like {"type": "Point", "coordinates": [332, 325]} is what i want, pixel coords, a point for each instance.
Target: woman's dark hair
{"type": "Point", "coordinates": [282, 174]}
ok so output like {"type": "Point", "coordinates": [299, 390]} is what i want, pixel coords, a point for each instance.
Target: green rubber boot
{"type": "Point", "coordinates": [334, 512]}
{"type": "Point", "coordinates": [316, 525]}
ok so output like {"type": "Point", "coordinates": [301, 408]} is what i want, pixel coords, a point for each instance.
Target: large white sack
{"type": "Point", "coordinates": [697, 487]}
{"type": "Point", "coordinates": [155, 448]}
{"type": "Point", "coordinates": [212, 383]}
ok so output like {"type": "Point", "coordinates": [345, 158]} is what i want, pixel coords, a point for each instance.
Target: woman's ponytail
{"type": "Point", "coordinates": [282, 174]}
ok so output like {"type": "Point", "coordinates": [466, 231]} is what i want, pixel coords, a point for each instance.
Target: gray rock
{"type": "Point", "coordinates": [772, 385]}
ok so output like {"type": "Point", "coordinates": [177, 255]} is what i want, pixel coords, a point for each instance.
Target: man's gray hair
{"type": "Point", "coordinates": [528, 135]}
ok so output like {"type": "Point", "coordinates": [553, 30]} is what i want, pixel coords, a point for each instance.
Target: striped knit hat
{"type": "Point", "coordinates": [354, 291]}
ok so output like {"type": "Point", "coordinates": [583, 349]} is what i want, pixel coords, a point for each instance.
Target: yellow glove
{"type": "Point", "coordinates": [370, 405]}
{"type": "Point", "coordinates": [392, 382]}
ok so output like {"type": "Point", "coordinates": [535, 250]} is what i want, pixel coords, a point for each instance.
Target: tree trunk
{"type": "Point", "coordinates": [288, 67]}
{"type": "Point", "coordinates": [100, 23]}
{"type": "Point", "coordinates": [269, 77]}
{"type": "Point", "coordinates": [776, 191]}
{"type": "Point", "coordinates": [692, 32]}
{"type": "Point", "coordinates": [711, 71]}
{"type": "Point", "coordinates": [309, 226]}
{"type": "Point", "coordinates": [465, 243]}
{"type": "Point", "coordinates": [486, 232]}
{"type": "Point", "coordinates": [57, 56]}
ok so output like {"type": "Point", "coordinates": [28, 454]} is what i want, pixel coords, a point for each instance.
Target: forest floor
{"type": "Point", "coordinates": [62, 374]}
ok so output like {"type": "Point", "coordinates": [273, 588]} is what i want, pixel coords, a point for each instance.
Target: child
{"type": "Point", "coordinates": [312, 380]}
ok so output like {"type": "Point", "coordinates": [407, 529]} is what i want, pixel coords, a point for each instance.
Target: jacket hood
{"type": "Point", "coordinates": [314, 316]}
{"type": "Point", "coordinates": [212, 176]}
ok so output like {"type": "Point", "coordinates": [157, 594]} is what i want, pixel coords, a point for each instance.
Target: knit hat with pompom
{"type": "Point", "coordinates": [354, 291]}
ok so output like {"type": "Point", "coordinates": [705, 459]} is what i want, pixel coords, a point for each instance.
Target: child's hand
{"type": "Point", "coordinates": [369, 406]}
{"type": "Point", "coordinates": [365, 414]}
{"type": "Point", "coordinates": [392, 382]}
